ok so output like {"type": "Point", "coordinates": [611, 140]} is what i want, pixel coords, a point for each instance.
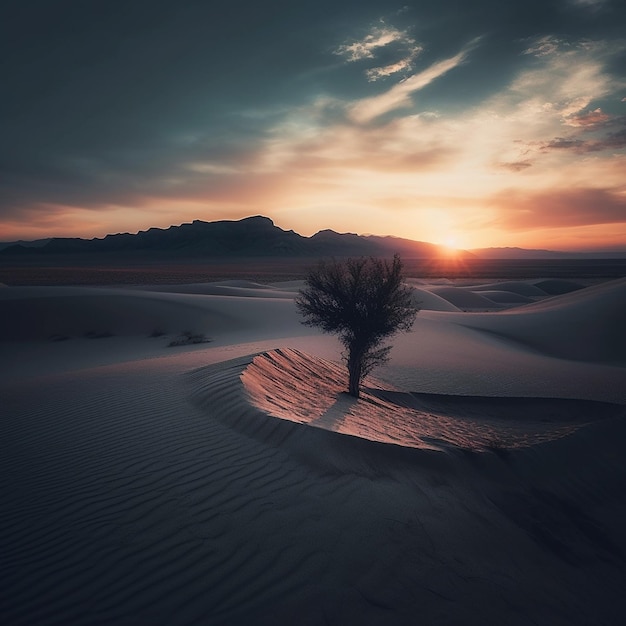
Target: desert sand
{"type": "Point", "coordinates": [480, 478]}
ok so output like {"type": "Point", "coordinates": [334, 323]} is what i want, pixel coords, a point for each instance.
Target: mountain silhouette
{"type": "Point", "coordinates": [250, 237]}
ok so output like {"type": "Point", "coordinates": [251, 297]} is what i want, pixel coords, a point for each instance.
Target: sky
{"type": "Point", "coordinates": [471, 123]}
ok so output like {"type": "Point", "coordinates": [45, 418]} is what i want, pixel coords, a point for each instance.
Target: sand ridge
{"type": "Point", "coordinates": [291, 385]}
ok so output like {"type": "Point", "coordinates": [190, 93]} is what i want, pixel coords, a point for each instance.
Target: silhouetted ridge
{"type": "Point", "coordinates": [256, 236]}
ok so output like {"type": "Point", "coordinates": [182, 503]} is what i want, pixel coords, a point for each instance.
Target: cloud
{"type": "Point", "coordinates": [544, 46]}
{"type": "Point", "coordinates": [561, 143]}
{"type": "Point", "coordinates": [612, 141]}
{"type": "Point", "coordinates": [590, 4]}
{"type": "Point", "coordinates": [557, 101]}
{"type": "Point", "coordinates": [516, 166]}
{"type": "Point", "coordinates": [396, 42]}
{"type": "Point", "coordinates": [376, 73]}
{"type": "Point", "coordinates": [337, 151]}
{"type": "Point", "coordinates": [587, 119]}
{"type": "Point", "coordinates": [615, 141]}
{"type": "Point", "coordinates": [399, 96]}
{"type": "Point", "coordinates": [378, 37]}
{"type": "Point", "coordinates": [568, 82]}
{"type": "Point", "coordinates": [558, 208]}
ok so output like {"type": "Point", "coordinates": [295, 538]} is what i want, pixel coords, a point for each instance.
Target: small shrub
{"type": "Point", "coordinates": [188, 338]}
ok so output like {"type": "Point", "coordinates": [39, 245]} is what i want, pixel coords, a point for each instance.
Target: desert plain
{"type": "Point", "coordinates": [479, 479]}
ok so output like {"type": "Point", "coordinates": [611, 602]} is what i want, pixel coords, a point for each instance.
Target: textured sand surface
{"type": "Point", "coordinates": [479, 480]}
{"type": "Point", "coordinates": [294, 386]}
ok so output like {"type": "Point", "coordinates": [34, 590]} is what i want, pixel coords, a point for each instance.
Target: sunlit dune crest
{"type": "Point", "coordinates": [293, 386]}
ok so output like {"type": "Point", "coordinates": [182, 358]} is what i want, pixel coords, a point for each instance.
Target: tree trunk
{"type": "Point", "coordinates": [355, 370]}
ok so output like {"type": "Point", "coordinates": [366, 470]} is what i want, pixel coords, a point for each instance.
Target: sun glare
{"type": "Point", "coordinates": [449, 247]}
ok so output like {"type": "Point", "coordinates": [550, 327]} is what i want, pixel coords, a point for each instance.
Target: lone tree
{"type": "Point", "coordinates": [364, 302]}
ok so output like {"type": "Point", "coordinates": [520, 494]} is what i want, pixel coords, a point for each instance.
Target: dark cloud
{"type": "Point", "coordinates": [562, 143]}
{"type": "Point", "coordinates": [589, 119]}
{"type": "Point", "coordinates": [611, 141]}
{"type": "Point", "coordinates": [516, 166]}
{"type": "Point", "coordinates": [615, 141]}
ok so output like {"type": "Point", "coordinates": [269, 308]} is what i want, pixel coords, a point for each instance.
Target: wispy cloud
{"type": "Point", "coordinates": [589, 4]}
{"type": "Point", "coordinates": [568, 82]}
{"type": "Point", "coordinates": [404, 47]}
{"type": "Point", "coordinates": [544, 46]}
{"type": "Point", "coordinates": [562, 143]}
{"type": "Point", "coordinates": [550, 45]}
{"type": "Point", "coordinates": [378, 37]}
{"type": "Point", "coordinates": [399, 95]}
{"type": "Point", "coordinates": [404, 64]}
{"type": "Point", "coordinates": [516, 166]}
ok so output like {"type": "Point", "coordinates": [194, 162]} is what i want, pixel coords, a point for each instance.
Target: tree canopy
{"type": "Point", "coordinates": [362, 301]}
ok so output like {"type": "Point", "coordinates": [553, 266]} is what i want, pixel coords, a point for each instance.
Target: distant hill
{"type": "Point", "coordinates": [523, 253]}
{"type": "Point", "coordinates": [518, 253]}
{"type": "Point", "coordinates": [250, 237]}
{"type": "Point", "coordinates": [37, 243]}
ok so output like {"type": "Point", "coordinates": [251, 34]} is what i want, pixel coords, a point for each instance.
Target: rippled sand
{"type": "Point", "coordinates": [479, 480]}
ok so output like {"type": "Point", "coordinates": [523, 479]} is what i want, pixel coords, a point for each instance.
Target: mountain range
{"type": "Point", "coordinates": [257, 236]}
{"type": "Point", "coordinates": [250, 237]}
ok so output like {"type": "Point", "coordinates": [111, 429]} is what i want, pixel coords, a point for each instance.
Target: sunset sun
{"type": "Point", "coordinates": [451, 243]}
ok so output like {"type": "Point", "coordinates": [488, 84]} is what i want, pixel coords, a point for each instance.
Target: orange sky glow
{"type": "Point", "coordinates": [535, 159]}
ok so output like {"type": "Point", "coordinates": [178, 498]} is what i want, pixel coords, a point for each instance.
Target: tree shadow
{"type": "Point", "coordinates": [336, 413]}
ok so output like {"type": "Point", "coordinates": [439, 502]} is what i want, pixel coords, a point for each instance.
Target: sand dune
{"type": "Point", "coordinates": [464, 299]}
{"type": "Point", "coordinates": [515, 286]}
{"type": "Point", "coordinates": [33, 313]}
{"type": "Point", "coordinates": [293, 386]}
{"type": "Point", "coordinates": [556, 287]}
{"type": "Point", "coordinates": [430, 301]}
{"type": "Point", "coordinates": [502, 293]}
{"type": "Point", "coordinates": [479, 480]}
{"type": "Point", "coordinates": [242, 288]}
{"type": "Point", "coordinates": [587, 324]}
{"type": "Point", "coordinates": [504, 297]}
